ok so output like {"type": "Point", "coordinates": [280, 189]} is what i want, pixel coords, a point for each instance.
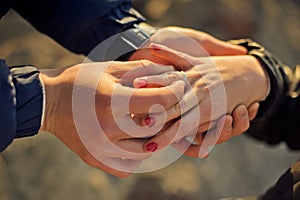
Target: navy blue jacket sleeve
{"type": "Point", "coordinates": [79, 25]}
{"type": "Point", "coordinates": [7, 107]}
{"type": "Point", "coordinates": [21, 102]}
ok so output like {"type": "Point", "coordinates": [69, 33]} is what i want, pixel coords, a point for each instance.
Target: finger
{"type": "Point", "coordinates": [143, 99]}
{"type": "Point", "coordinates": [226, 131]}
{"type": "Point", "coordinates": [206, 126]}
{"type": "Point", "coordinates": [240, 120]}
{"type": "Point", "coordinates": [224, 124]}
{"type": "Point", "coordinates": [145, 54]}
{"type": "Point", "coordinates": [212, 45]}
{"type": "Point", "coordinates": [126, 149]}
{"type": "Point", "coordinates": [252, 110]}
{"type": "Point", "coordinates": [142, 68]}
{"type": "Point", "coordinates": [189, 101]}
{"type": "Point", "coordinates": [191, 150]}
{"type": "Point", "coordinates": [186, 126]}
{"type": "Point", "coordinates": [178, 59]}
{"type": "Point", "coordinates": [164, 79]}
{"type": "Point", "coordinates": [222, 48]}
{"type": "Point", "coordinates": [214, 136]}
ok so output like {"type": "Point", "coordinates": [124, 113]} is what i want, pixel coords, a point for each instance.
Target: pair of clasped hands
{"type": "Point", "coordinates": [183, 84]}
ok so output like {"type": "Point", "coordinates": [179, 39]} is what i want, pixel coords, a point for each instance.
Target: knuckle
{"type": "Point", "coordinates": [177, 109]}
{"type": "Point", "coordinates": [171, 77]}
{"type": "Point", "coordinates": [164, 101]}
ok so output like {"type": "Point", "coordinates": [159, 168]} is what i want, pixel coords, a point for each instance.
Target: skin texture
{"type": "Point", "coordinates": [113, 150]}
{"type": "Point", "coordinates": [189, 41]}
{"type": "Point", "coordinates": [243, 80]}
{"type": "Point", "coordinates": [118, 151]}
{"type": "Point", "coordinates": [199, 44]}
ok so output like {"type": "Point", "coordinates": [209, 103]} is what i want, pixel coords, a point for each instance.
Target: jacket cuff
{"type": "Point", "coordinates": [29, 100]}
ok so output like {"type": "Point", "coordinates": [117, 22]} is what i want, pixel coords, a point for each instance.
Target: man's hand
{"type": "Point", "coordinates": [96, 112]}
{"type": "Point", "coordinates": [218, 85]}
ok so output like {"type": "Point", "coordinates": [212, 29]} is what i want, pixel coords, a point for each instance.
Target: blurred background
{"type": "Point", "coordinates": [43, 168]}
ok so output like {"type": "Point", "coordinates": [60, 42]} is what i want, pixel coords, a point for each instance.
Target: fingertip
{"type": "Point", "coordinates": [156, 47]}
{"type": "Point", "coordinates": [151, 147]}
{"type": "Point", "coordinates": [140, 83]}
{"type": "Point", "coordinates": [240, 112]}
{"type": "Point", "coordinates": [148, 121]}
{"type": "Point", "coordinates": [241, 120]}
{"type": "Point", "coordinates": [203, 152]}
{"type": "Point", "coordinates": [177, 88]}
{"type": "Point", "coordinates": [228, 123]}
{"type": "Point", "coordinates": [253, 110]}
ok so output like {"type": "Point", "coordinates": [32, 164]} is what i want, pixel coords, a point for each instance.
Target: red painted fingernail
{"type": "Point", "coordinates": [140, 83]}
{"type": "Point", "coordinates": [156, 47]}
{"type": "Point", "coordinates": [149, 121]}
{"type": "Point", "coordinates": [151, 147]}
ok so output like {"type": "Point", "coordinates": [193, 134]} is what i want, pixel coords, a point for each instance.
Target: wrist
{"type": "Point", "coordinates": [48, 85]}
{"type": "Point", "coordinates": [266, 84]}
{"type": "Point", "coordinates": [274, 69]}
{"type": "Point", "coordinates": [57, 96]}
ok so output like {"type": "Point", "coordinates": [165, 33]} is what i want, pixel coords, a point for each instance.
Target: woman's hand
{"type": "Point", "coordinates": [189, 41]}
{"type": "Point", "coordinates": [96, 112]}
{"type": "Point", "coordinates": [217, 86]}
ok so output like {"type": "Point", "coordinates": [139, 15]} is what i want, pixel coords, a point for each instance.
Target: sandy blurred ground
{"type": "Point", "coordinates": [42, 168]}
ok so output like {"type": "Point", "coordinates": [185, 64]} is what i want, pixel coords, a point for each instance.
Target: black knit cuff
{"type": "Point", "coordinates": [29, 99]}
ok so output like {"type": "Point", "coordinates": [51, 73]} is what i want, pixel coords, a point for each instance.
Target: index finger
{"type": "Point", "coordinates": [139, 101]}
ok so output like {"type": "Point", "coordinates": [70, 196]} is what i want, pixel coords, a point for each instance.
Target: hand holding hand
{"type": "Point", "coordinates": [219, 84]}
{"type": "Point", "coordinates": [189, 41]}
{"type": "Point", "coordinates": [93, 109]}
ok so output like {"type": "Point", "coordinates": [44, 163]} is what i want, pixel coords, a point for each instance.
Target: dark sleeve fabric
{"type": "Point", "coordinates": [282, 121]}
{"type": "Point", "coordinates": [21, 102]}
{"type": "Point", "coordinates": [79, 25]}
{"type": "Point", "coordinates": [7, 107]}
{"type": "Point", "coordinates": [287, 187]}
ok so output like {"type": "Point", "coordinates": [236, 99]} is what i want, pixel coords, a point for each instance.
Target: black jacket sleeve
{"type": "Point", "coordinates": [79, 25]}
{"type": "Point", "coordinates": [21, 102]}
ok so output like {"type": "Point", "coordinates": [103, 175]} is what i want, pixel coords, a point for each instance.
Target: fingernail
{"type": "Point", "coordinates": [140, 83]}
{"type": "Point", "coordinates": [229, 126]}
{"type": "Point", "coordinates": [149, 121]}
{"type": "Point", "coordinates": [156, 47]}
{"type": "Point", "coordinates": [151, 147]}
{"type": "Point", "coordinates": [243, 114]}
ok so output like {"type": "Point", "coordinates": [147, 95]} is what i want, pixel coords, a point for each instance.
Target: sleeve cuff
{"type": "Point", "coordinates": [29, 100]}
